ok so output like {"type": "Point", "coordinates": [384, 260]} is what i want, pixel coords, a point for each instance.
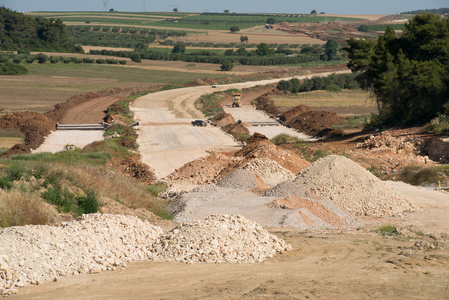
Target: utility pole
{"type": "Point", "coordinates": [105, 8]}
{"type": "Point", "coordinates": [144, 6]}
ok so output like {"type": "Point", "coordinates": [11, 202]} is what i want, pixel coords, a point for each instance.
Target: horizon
{"type": "Point", "coordinates": [343, 7]}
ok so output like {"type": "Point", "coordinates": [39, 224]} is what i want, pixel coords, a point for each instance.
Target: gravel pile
{"type": "Point", "coordinates": [269, 171]}
{"type": "Point", "coordinates": [348, 185]}
{"type": "Point", "coordinates": [239, 179]}
{"type": "Point", "coordinates": [90, 244]}
{"type": "Point", "coordinates": [217, 239]}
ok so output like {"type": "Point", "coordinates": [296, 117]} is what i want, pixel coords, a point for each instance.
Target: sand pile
{"type": "Point", "coordinates": [239, 179]}
{"type": "Point", "coordinates": [217, 239]}
{"type": "Point", "coordinates": [348, 185]}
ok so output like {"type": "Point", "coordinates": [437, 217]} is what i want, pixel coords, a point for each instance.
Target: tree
{"type": "Point", "coordinates": [175, 9]}
{"type": "Point", "coordinates": [179, 47]}
{"type": "Point", "coordinates": [140, 47]}
{"type": "Point", "coordinates": [234, 29]}
{"type": "Point", "coordinates": [226, 11]}
{"type": "Point", "coordinates": [363, 28]}
{"type": "Point", "coordinates": [264, 49]}
{"type": "Point", "coordinates": [409, 74]}
{"type": "Point", "coordinates": [227, 66]}
{"type": "Point", "coordinates": [244, 39]}
{"type": "Point", "coordinates": [112, 10]}
{"type": "Point", "coordinates": [330, 50]}
{"type": "Point", "coordinates": [271, 20]}
{"type": "Point", "coordinates": [313, 12]}
{"type": "Point", "coordinates": [42, 58]}
{"type": "Point", "coordinates": [135, 57]}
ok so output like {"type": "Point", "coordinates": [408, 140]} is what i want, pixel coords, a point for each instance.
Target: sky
{"type": "Point", "coordinates": [238, 6]}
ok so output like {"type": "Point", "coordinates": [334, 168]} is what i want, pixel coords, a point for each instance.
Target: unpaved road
{"type": "Point", "coordinates": [167, 139]}
{"type": "Point", "coordinates": [326, 265]}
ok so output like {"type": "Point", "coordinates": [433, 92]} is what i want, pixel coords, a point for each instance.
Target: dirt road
{"type": "Point", "coordinates": [326, 265]}
{"type": "Point", "coordinates": [167, 139]}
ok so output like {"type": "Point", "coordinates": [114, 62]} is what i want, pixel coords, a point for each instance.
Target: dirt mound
{"type": "Point", "coordinates": [313, 122]}
{"type": "Point", "coordinates": [256, 137]}
{"type": "Point", "coordinates": [209, 81]}
{"type": "Point", "coordinates": [293, 113]}
{"type": "Point", "coordinates": [35, 126]}
{"type": "Point", "coordinates": [265, 149]}
{"type": "Point", "coordinates": [265, 103]}
{"type": "Point", "coordinates": [218, 239]}
{"type": "Point", "coordinates": [224, 119]}
{"type": "Point", "coordinates": [347, 185]}
{"type": "Point", "coordinates": [312, 206]}
{"type": "Point", "coordinates": [436, 149]}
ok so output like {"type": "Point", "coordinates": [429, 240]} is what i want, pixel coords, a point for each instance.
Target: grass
{"type": "Point", "coordinates": [115, 73]}
{"type": "Point", "coordinates": [424, 176]}
{"type": "Point", "coordinates": [301, 147]}
{"type": "Point", "coordinates": [388, 230]}
{"type": "Point", "coordinates": [345, 98]}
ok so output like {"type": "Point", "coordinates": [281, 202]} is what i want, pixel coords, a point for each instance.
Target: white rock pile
{"type": "Point", "coordinates": [349, 186]}
{"type": "Point", "coordinates": [269, 171]}
{"type": "Point", "coordinates": [217, 239]}
{"type": "Point", "coordinates": [239, 179]}
{"type": "Point", "coordinates": [90, 244]}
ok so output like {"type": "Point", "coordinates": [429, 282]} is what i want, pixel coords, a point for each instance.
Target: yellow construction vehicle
{"type": "Point", "coordinates": [236, 100]}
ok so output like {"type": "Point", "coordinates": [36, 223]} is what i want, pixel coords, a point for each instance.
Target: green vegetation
{"type": "Point", "coordinates": [19, 32]}
{"type": "Point", "coordinates": [209, 105]}
{"type": "Point", "coordinates": [12, 69]}
{"type": "Point", "coordinates": [388, 230]}
{"type": "Point", "coordinates": [409, 74]}
{"type": "Point", "coordinates": [423, 176]}
{"type": "Point", "coordinates": [303, 148]}
{"type": "Point", "coordinates": [343, 81]}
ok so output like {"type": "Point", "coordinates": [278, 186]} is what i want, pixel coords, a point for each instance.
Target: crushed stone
{"type": "Point", "coordinates": [217, 239]}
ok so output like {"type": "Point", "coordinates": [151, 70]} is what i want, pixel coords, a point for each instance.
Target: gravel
{"type": "Point", "coordinates": [92, 243]}
{"type": "Point", "coordinates": [349, 186]}
{"type": "Point", "coordinates": [269, 171]}
{"type": "Point", "coordinates": [217, 239]}
{"type": "Point", "coordinates": [239, 179]}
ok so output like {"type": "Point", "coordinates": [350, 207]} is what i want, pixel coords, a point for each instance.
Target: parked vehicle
{"type": "Point", "coordinates": [215, 85]}
{"type": "Point", "coordinates": [200, 123]}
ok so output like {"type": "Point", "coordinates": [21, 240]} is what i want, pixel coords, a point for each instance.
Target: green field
{"type": "Point", "coordinates": [188, 21]}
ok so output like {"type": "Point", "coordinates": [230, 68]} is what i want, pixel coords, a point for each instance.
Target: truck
{"type": "Point", "coordinates": [236, 97]}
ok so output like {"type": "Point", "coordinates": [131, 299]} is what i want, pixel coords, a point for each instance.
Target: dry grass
{"type": "Point", "coordinates": [8, 142]}
{"type": "Point", "coordinates": [345, 98]}
{"type": "Point", "coordinates": [20, 208]}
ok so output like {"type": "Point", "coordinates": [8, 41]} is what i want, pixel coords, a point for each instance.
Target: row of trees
{"type": "Point", "coordinates": [19, 32]}
{"type": "Point", "coordinates": [409, 74]}
{"type": "Point", "coordinates": [210, 57]}
{"type": "Point", "coordinates": [331, 82]}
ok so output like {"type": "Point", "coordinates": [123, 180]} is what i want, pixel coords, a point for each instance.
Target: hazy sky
{"type": "Point", "coordinates": [238, 6]}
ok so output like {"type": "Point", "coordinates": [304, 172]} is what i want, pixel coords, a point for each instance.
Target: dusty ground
{"type": "Point", "coordinates": [327, 264]}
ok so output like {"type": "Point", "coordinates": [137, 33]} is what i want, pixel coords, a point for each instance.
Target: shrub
{"type": "Point", "coordinates": [12, 69]}
{"type": "Point", "coordinates": [100, 61]}
{"type": "Point", "coordinates": [66, 60]}
{"type": "Point", "coordinates": [17, 60]}
{"type": "Point", "coordinates": [42, 58]}
{"type": "Point", "coordinates": [111, 61]}
{"type": "Point", "coordinates": [135, 57]}
{"type": "Point", "coordinates": [363, 28]}
{"type": "Point", "coordinates": [88, 204]}
{"type": "Point", "coordinates": [234, 29]}
{"type": "Point", "coordinates": [30, 59]}
{"type": "Point", "coordinates": [123, 62]}
{"type": "Point", "coordinates": [88, 60]}
{"type": "Point", "coordinates": [19, 208]}
{"type": "Point", "coordinates": [227, 66]}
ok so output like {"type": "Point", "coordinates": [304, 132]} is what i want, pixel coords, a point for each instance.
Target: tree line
{"type": "Point", "coordinates": [333, 82]}
{"type": "Point", "coordinates": [408, 74]}
{"type": "Point", "coordinates": [21, 32]}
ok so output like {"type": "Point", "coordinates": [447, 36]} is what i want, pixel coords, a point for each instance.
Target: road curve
{"type": "Point", "coordinates": [167, 139]}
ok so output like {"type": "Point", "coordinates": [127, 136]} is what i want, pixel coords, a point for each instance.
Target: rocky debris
{"type": "Point", "coordinates": [239, 179]}
{"type": "Point", "coordinates": [256, 137]}
{"type": "Point", "coordinates": [385, 141]}
{"type": "Point", "coordinates": [348, 185]}
{"type": "Point", "coordinates": [269, 171]}
{"type": "Point", "coordinates": [217, 239]}
{"type": "Point", "coordinates": [436, 149]}
{"type": "Point", "coordinates": [92, 243]}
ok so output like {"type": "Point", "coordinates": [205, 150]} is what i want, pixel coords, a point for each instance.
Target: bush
{"type": "Point", "coordinates": [66, 60]}
{"type": "Point", "coordinates": [12, 69]}
{"type": "Point", "coordinates": [123, 62]}
{"type": "Point", "coordinates": [363, 28]}
{"type": "Point", "coordinates": [234, 29]}
{"type": "Point", "coordinates": [135, 57]}
{"type": "Point", "coordinates": [111, 61]}
{"type": "Point", "coordinates": [227, 66]}
{"type": "Point", "coordinates": [88, 60]}
{"type": "Point", "coordinates": [100, 61]}
{"type": "Point", "coordinates": [30, 59]}
{"type": "Point", "coordinates": [333, 88]}
{"type": "Point", "coordinates": [42, 58]}
{"type": "Point", "coordinates": [17, 60]}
